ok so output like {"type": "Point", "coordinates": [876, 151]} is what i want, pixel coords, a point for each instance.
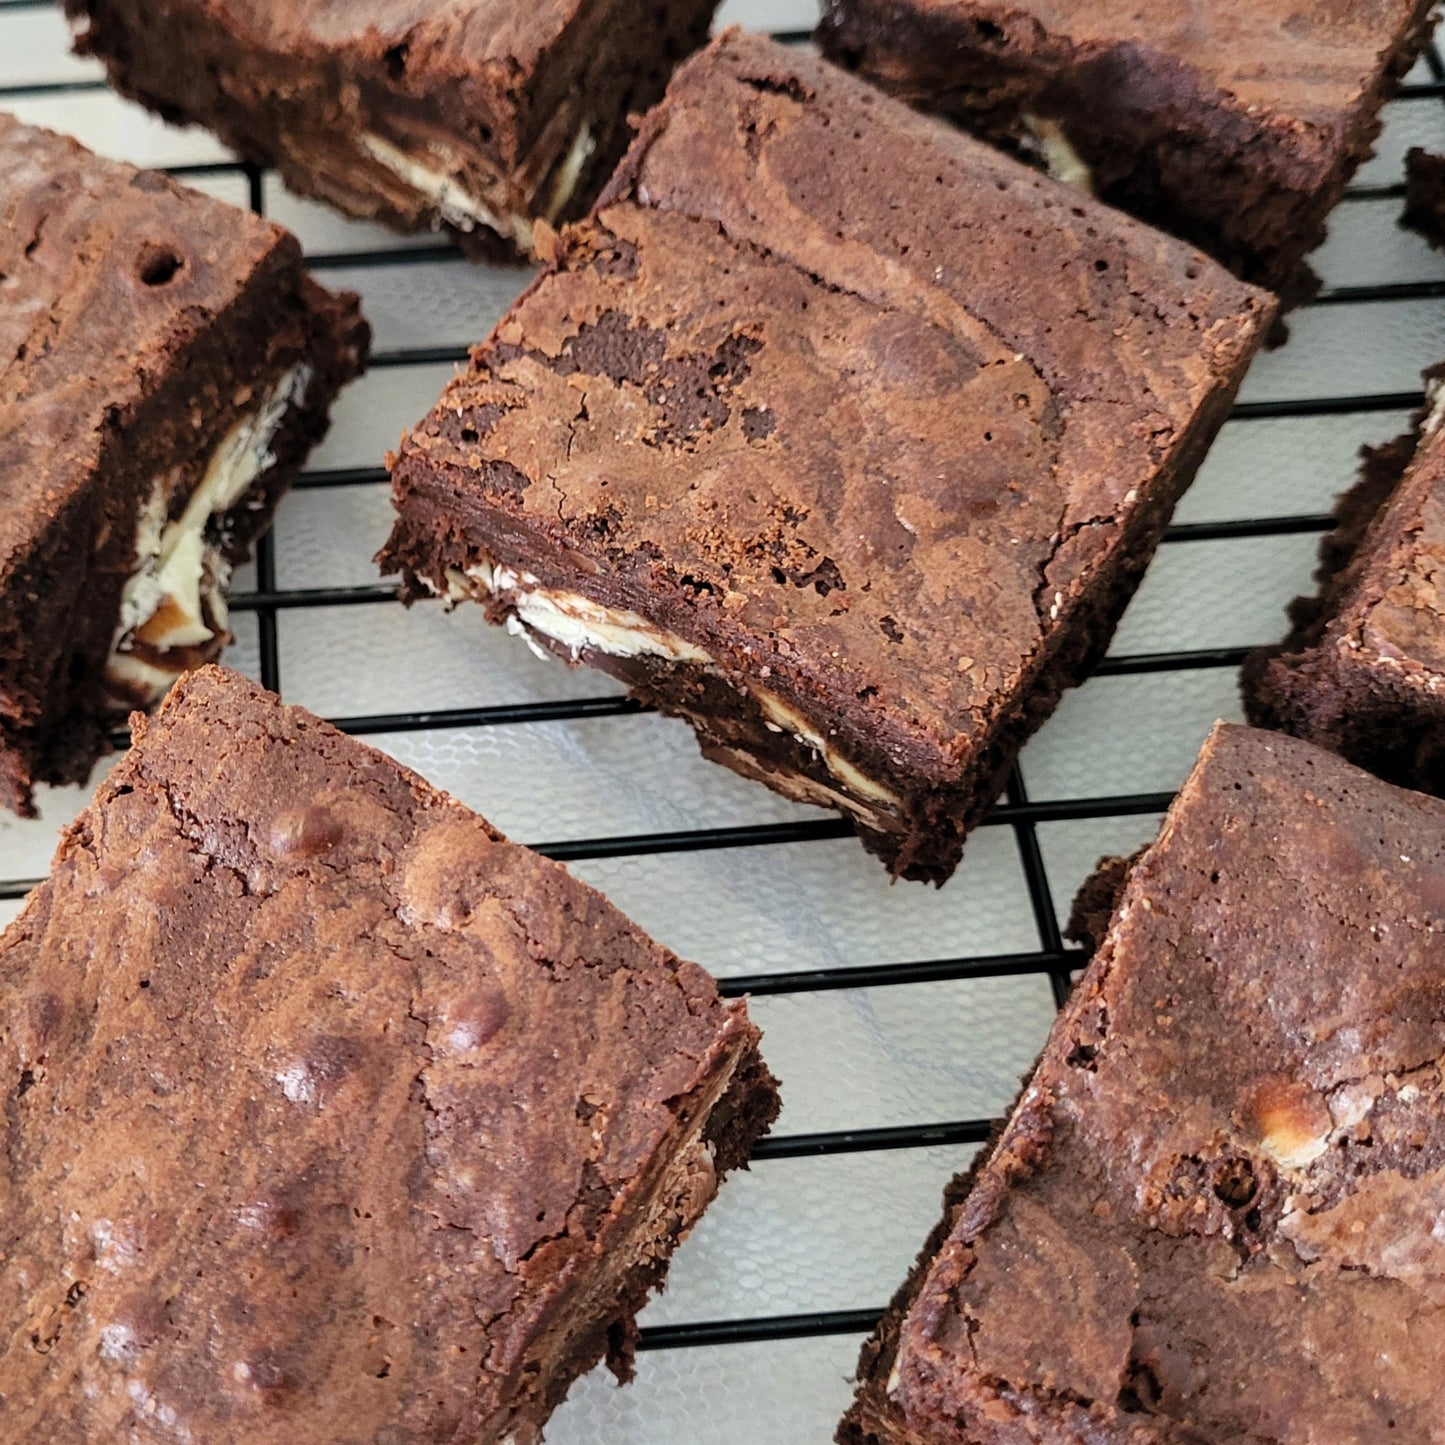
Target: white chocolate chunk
{"type": "Point", "coordinates": [179, 575]}
{"type": "Point", "coordinates": [792, 721]}
{"type": "Point", "coordinates": [1061, 160]}
{"type": "Point", "coordinates": [1435, 395]}
{"type": "Point", "coordinates": [570, 171]}
{"type": "Point", "coordinates": [578, 624]}
{"type": "Point", "coordinates": [454, 205]}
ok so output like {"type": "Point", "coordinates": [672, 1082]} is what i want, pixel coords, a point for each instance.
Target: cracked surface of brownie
{"type": "Point", "coordinates": [1213, 1213]}
{"type": "Point", "coordinates": [329, 1114]}
{"type": "Point", "coordinates": [835, 432]}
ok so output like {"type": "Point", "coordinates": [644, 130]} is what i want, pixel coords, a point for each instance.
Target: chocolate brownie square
{"type": "Point", "coordinates": [1363, 670]}
{"type": "Point", "coordinates": [1232, 123]}
{"type": "Point", "coordinates": [834, 431]}
{"type": "Point", "coordinates": [330, 1114]}
{"type": "Point", "coordinates": [493, 118]}
{"type": "Point", "coordinates": [1213, 1215]}
{"type": "Point", "coordinates": [1425, 194]}
{"type": "Point", "coordinates": [167, 365]}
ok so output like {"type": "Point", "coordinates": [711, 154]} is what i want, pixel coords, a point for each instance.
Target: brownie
{"type": "Point", "coordinates": [1363, 668]}
{"type": "Point", "coordinates": [493, 118]}
{"type": "Point", "coordinates": [1209, 1217]}
{"type": "Point", "coordinates": [833, 431]}
{"type": "Point", "coordinates": [1232, 123]}
{"type": "Point", "coordinates": [329, 1114]}
{"type": "Point", "coordinates": [167, 366]}
{"type": "Point", "coordinates": [1425, 194]}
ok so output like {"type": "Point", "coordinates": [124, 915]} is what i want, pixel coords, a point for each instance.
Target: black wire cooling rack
{"type": "Point", "coordinates": [1017, 811]}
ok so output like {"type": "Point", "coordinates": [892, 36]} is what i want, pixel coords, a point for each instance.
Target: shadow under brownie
{"type": "Point", "coordinates": [835, 432]}
{"type": "Point", "coordinates": [1213, 1214]}
{"type": "Point", "coordinates": [168, 364]}
{"type": "Point", "coordinates": [1232, 123]}
{"type": "Point", "coordinates": [493, 118]}
{"type": "Point", "coordinates": [331, 1115]}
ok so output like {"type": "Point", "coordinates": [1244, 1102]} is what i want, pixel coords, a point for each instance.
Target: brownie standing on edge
{"type": "Point", "coordinates": [332, 1115]}
{"type": "Point", "coordinates": [1213, 1215]}
{"type": "Point", "coordinates": [165, 366]}
{"type": "Point", "coordinates": [486, 116]}
{"type": "Point", "coordinates": [835, 432]}
{"type": "Point", "coordinates": [1363, 671]}
{"type": "Point", "coordinates": [1232, 123]}
{"type": "Point", "coordinates": [1425, 195]}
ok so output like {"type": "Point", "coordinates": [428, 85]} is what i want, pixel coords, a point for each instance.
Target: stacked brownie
{"type": "Point", "coordinates": [1232, 123]}
{"type": "Point", "coordinates": [493, 118]}
{"type": "Point", "coordinates": [168, 363]}
{"type": "Point", "coordinates": [330, 1114]}
{"type": "Point", "coordinates": [835, 432]}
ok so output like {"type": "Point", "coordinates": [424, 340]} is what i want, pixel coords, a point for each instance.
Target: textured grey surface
{"type": "Point", "coordinates": [818, 1233]}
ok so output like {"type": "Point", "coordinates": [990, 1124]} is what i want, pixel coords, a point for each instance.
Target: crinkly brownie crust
{"type": "Point", "coordinates": [1208, 1218]}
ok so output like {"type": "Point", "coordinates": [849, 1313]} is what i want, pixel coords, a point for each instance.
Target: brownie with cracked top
{"type": "Point", "coordinates": [1363, 668]}
{"type": "Point", "coordinates": [835, 432]}
{"type": "Point", "coordinates": [1213, 1214]}
{"type": "Point", "coordinates": [330, 1114]}
{"type": "Point", "coordinates": [166, 364]}
{"type": "Point", "coordinates": [1232, 123]}
{"type": "Point", "coordinates": [493, 118]}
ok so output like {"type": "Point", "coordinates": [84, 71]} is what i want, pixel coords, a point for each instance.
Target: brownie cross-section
{"type": "Point", "coordinates": [1235, 124]}
{"type": "Point", "coordinates": [495, 119]}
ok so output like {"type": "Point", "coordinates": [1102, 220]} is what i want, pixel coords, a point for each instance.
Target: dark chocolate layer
{"type": "Point", "coordinates": [329, 1114]}
{"type": "Point", "coordinates": [1425, 194]}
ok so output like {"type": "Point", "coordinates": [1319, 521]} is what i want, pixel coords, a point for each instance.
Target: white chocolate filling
{"type": "Point", "coordinates": [578, 624]}
{"type": "Point", "coordinates": [179, 574]}
{"type": "Point", "coordinates": [570, 171]}
{"type": "Point", "coordinates": [787, 719]}
{"type": "Point", "coordinates": [458, 207]}
{"type": "Point", "coordinates": [1060, 158]}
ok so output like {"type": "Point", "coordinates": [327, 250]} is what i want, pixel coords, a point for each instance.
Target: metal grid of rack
{"type": "Point", "coordinates": [898, 1017]}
